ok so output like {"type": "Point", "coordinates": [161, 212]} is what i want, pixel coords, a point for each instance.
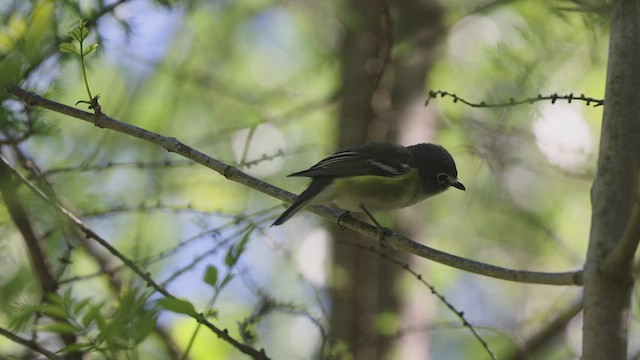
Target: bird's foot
{"type": "Point", "coordinates": [343, 216]}
{"type": "Point", "coordinates": [383, 232]}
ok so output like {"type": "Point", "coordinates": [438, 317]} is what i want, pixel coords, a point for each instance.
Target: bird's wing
{"type": "Point", "coordinates": [397, 161]}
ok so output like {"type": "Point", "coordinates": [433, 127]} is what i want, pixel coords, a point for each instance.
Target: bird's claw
{"type": "Point", "coordinates": [382, 233]}
{"type": "Point", "coordinates": [342, 216]}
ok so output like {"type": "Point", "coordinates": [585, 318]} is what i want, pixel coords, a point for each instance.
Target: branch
{"type": "Point", "coordinates": [620, 259]}
{"type": "Point", "coordinates": [396, 241]}
{"type": "Point", "coordinates": [553, 97]}
{"type": "Point", "coordinates": [536, 342]}
{"type": "Point", "coordinates": [30, 344]}
{"type": "Point", "coordinates": [224, 334]}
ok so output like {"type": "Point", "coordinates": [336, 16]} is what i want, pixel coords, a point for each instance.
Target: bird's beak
{"type": "Point", "coordinates": [458, 185]}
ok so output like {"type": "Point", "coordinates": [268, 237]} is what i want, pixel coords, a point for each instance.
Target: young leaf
{"type": "Point", "coordinates": [211, 275]}
{"type": "Point", "coordinates": [84, 32]}
{"type": "Point", "coordinates": [178, 306]}
{"type": "Point", "coordinates": [92, 315]}
{"type": "Point", "coordinates": [69, 48]}
{"type": "Point", "coordinates": [226, 280]}
{"type": "Point", "coordinates": [90, 48]}
{"type": "Point", "coordinates": [245, 239]}
{"type": "Point", "coordinates": [53, 310]}
{"type": "Point", "coordinates": [230, 259]}
{"type": "Point", "coordinates": [78, 307]}
{"type": "Point", "coordinates": [234, 252]}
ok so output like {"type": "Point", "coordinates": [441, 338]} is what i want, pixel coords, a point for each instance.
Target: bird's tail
{"type": "Point", "coordinates": [307, 197]}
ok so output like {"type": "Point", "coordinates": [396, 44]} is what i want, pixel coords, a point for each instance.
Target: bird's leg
{"type": "Point", "coordinates": [345, 214]}
{"type": "Point", "coordinates": [382, 231]}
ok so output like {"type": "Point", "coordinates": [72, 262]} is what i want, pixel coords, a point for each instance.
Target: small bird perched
{"type": "Point", "coordinates": [377, 176]}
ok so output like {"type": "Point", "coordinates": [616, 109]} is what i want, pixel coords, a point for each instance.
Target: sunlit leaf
{"type": "Point", "coordinates": [68, 48]}
{"type": "Point", "coordinates": [90, 48]}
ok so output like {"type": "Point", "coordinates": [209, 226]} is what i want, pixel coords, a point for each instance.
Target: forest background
{"type": "Point", "coordinates": [121, 244]}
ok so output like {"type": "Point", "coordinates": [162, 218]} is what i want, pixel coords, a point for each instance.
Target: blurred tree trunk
{"type": "Point", "coordinates": [609, 275]}
{"type": "Point", "coordinates": [420, 25]}
{"type": "Point", "coordinates": [376, 108]}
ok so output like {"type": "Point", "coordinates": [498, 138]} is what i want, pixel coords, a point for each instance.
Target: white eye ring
{"type": "Point", "coordinates": [443, 178]}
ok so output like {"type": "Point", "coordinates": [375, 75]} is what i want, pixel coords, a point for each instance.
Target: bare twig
{"type": "Point", "coordinates": [553, 97]}
{"type": "Point", "coordinates": [536, 341]}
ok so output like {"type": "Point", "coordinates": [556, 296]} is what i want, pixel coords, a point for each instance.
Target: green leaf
{"type": "Point", "coordinates": [57, 299]}
{"type": "Point", "coordinates": [230, 259]}
{"type": "Point", "coordinates": [90, 48]}
{"type": "Point", "coordinates": [74, 33]}
{"type": "Point", "coordinates": [53, 310]}
{"type": "Point", "coordinates": [92, 315]}
{"type": "Point", "coordinates": [20, 315]}
{"type": "Point", "coordinates": [68, 48]}
{"type": "Point", "coordinates": [59, 327]}
{"type": "Point", "coordinates": [243, 243]}
{"type": "Point", "coordinates": [211, 275]}
{"type": "Point", "coordinates": [213, 313]}
{"type": "Point", "coordinates": [234, 252]}
{"type": "Point", "coordinates": [178, 306]}
{"type": "Point", "coordinates": [77, 308]}
{"type": "Point", "coordinates": [75, 347]}
{"type": "Point", "coordinates": [226, 280]}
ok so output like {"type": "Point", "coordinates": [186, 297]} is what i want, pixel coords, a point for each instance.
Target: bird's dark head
{"type": "Point", "coordinates": [437, 168]}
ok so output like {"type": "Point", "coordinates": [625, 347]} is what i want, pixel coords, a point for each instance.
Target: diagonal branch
{"type": "Point", "coordinates": [30, 344]}
{"type": "Point", "coordinates": [395, 241]}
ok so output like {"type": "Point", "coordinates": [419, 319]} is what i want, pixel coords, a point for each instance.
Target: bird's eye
{"type": "Point", "coordinates": [443, 178]}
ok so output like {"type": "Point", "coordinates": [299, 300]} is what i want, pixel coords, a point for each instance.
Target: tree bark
{"type": "Point", "coordinates": [609, 281]}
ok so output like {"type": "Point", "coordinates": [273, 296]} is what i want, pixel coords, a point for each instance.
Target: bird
{"type": "Point", "coordinates": [377, 176]}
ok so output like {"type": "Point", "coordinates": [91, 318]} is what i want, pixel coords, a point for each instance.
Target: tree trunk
{"type": "Point", "coordinates": [355, 272]}
{"type": "Point", "coordinates": [364, 284]}
{"type": "Point", "coordinates": [609, 280]}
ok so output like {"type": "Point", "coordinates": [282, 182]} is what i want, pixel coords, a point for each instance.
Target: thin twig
{"type": "Point", "coordinates": [553, 97]}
